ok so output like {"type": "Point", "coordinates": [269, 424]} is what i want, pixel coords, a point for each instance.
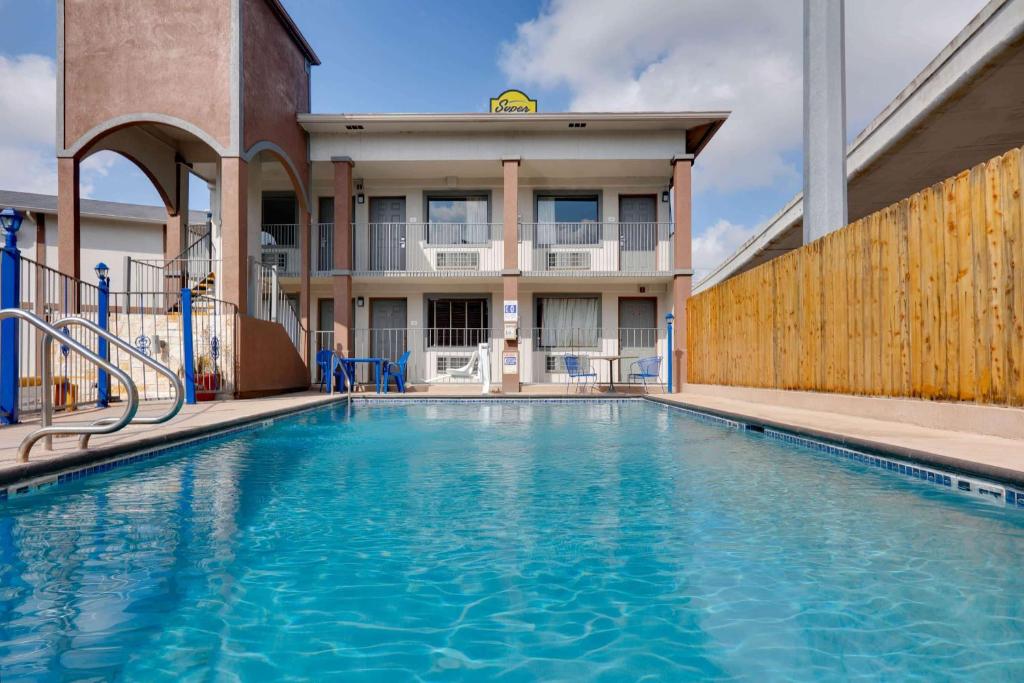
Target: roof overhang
{"type": "Point", "coordinates": [698, 127]}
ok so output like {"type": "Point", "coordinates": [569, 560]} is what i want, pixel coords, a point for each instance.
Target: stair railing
{"type": "Point", "coordinates": [48, 429]}
{"type": "Point", "coordinates": [176, 384]}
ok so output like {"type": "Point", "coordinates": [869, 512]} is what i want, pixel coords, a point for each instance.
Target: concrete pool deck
{"type": "Point", "coordinates": [850, 421]}
{"type": "Point", "coordinates": [985, 441]}
{"type": "Point", "coordinates": [193, 421]}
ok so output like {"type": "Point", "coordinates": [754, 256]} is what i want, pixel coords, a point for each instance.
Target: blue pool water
{"type": "Point", "coordinates": [600, 541]}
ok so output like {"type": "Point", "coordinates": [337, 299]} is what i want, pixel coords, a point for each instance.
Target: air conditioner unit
{"type": "Point", "coordinates": [274, 258]}
{"type": "Point", "coordinates": [458, 260]}
{"type": "Point", "coordinates": [568, 260]}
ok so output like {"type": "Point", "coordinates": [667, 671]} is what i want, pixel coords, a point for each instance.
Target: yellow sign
{"type": "Point", "coordinates": [513, 102]}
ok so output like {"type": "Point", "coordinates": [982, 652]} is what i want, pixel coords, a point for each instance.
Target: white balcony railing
{"type": "Point", "coordinates": [436, 249]}
{"type": "Point", "coordinates": [428, 248]}
{"type": "Point", "coordinates": [279, 248]}
{"type": "Point", "coordinates": [589, 247]}
{"type": "Point", "coordinates": [432, 351]}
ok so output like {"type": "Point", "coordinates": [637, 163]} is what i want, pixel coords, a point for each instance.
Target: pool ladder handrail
{"type": "Point", "coordinates": [50, 332]}
{"type": "Point", "coordinates": [176, 384]}
{"type": "Point", "coordinates": [348, 381]}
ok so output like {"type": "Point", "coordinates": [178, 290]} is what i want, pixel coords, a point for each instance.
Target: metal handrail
{"type": "Point", "coordinates": [348, 382]}
{"type": "Point", "coordinates": [179, 388]}
{"type": "Point", "coordinates": [50, 333]}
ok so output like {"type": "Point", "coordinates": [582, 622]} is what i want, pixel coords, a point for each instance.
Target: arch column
{"type": "Point", "coordinates": [69, 218]}
{"type": "Point", "coordinates": [234, 193]}
{"type": "Point", "coordinates": [510, 381]}
{"type": "Point", "coordinates": [177, 223]}
{"type": "Point", "coordinates": [341, 278]}
{"type": "Point", "coordinates": [682, 262]}
{"type": "Point", "coordinates": [305, 247]}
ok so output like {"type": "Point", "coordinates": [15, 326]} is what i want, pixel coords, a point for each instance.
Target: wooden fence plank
{"type": "Point", "coordinates": [998, 301]}
{"type": "Point", "coordinates": [967, 361]}
{"type": "Point", "coordinates": [950, 302]}
{"type": "Point", "coordinates": [983, 325]}
{"type": "Point", "coordinates": [1013, 222]}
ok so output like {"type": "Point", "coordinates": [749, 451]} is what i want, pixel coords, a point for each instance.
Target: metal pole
{"type": "Point", "coordinates": [103, 378]}
{"type": "Point", "coordinates": [10, 297]}
{"type": "Point", "coordinates": [187, 352]}
{"type": "Point", "coordinates": [668, 319]}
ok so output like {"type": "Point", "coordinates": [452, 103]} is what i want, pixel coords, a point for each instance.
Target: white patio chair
{"type": "Point", "coordinates": [470, 370]}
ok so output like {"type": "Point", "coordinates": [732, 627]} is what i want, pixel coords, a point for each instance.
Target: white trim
{"type": "Point", "coordinates": [266, 145]}
{"type": "Point", "coordinates": [146, 117]}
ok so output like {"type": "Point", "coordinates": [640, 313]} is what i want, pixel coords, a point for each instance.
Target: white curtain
{"type": "Point", "coordinates": [546, 228]}
{"type": "Point", "coordinates": [569, 322]}
{"type": "Point", "coordinates": [476, 217]}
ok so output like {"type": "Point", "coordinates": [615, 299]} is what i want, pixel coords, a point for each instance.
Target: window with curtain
{"type": "Point", "coordinates": [457, 322]}
{"type": "Point", "coordinates": [569, 322]}
{"type": "Point", "coordinates": [567, 221]}
{"type": "Point", "coordinates": [457, 220]}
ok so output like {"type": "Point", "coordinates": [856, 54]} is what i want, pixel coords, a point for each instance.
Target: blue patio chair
{"type": "Point", "coordinates": [574, 368]}
{"type": "Point", "coordinates": [323, 361]}
{"type": "Point", "coordinates": [396, 369]}
{"type": "Point", "coordinates": [645, 369]}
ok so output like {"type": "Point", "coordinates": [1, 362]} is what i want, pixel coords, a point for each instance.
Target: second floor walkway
{"type": "Point", "coordinates": [583, 248]}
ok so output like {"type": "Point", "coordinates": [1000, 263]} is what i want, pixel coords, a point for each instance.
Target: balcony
{"type": "Point", "coordinates": [589, 248]}
{"type": "Point", "coordinates": [428, 249]}
{"type": "Point", "coordinates": [280, 247]}
{"type": "Point", "coordinates": [477, 249]}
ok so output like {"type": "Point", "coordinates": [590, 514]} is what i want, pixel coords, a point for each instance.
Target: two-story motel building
{"type": "Point", "coordinates": [398, 232]}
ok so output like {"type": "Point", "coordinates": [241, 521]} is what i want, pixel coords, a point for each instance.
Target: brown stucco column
{"type": "Point", "coordinates": [234, 175]}
{"type": "Point", "coordinates": [69, 218]}
{"type": "Point", "coordinates": [510, 382]}
{"type": "Point", "coordinates": [177, 223]}
{"type": "Point", "coordinates": [682, 262]}
{"type": "Point", "coordinates": [305, 246]}
{"type": "Point", "coordinates": [341, 279]}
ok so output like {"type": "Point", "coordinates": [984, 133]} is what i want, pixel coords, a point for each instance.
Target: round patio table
{"type": "Point", "coordinates": [611, 358]}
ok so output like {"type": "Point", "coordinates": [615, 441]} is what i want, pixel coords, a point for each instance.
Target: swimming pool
{"type": "Point", "coordinates": [599, 540]}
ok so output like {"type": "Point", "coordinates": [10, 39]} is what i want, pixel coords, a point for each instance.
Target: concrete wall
{"type": "Point", "coordinates": [106, 240]}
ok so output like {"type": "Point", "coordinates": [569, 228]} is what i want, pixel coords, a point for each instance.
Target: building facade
{"type": "Point", "coordinates": [541, 234]}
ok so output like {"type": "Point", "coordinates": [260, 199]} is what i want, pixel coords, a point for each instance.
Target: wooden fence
{"type": "Point", "coordinates": [924, 298]}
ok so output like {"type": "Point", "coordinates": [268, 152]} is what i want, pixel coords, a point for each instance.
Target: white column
{"type": "Point", "coordinates": [824, 119]}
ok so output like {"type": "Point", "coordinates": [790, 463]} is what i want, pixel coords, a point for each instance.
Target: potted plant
{"type": "Point", "coordinates": [207, 379]}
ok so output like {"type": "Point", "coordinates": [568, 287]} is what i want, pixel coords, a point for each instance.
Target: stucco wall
{"type": "Point", "coordinates": [267, 360]}
{"type": "Point", "coordinates": [135, 56]}
{"type": "Point", "coordinates": [275, 84]}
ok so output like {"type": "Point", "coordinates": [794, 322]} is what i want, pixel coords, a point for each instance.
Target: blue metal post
{"type": "Point", "coordinates": [10, 297]}
{"type": "Point", "coordinates": [103, 379]}
{"type": "Point", "coordinates": [668, 319]}
{"type": "Point", "coordinates": [187, 351]}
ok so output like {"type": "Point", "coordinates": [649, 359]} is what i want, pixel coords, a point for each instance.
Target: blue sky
{"type": "Point", "coordinates": [587, 55]}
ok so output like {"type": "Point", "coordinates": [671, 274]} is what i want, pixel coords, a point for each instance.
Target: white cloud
{"type": "Point", "coordinates": [28, 125]}
{"type": "Point", "coordinates": [740, 55]}
{"type": "Point", "coordinates": [715, 244]}
{"type": "Point", "coordinates": [28, 109]}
